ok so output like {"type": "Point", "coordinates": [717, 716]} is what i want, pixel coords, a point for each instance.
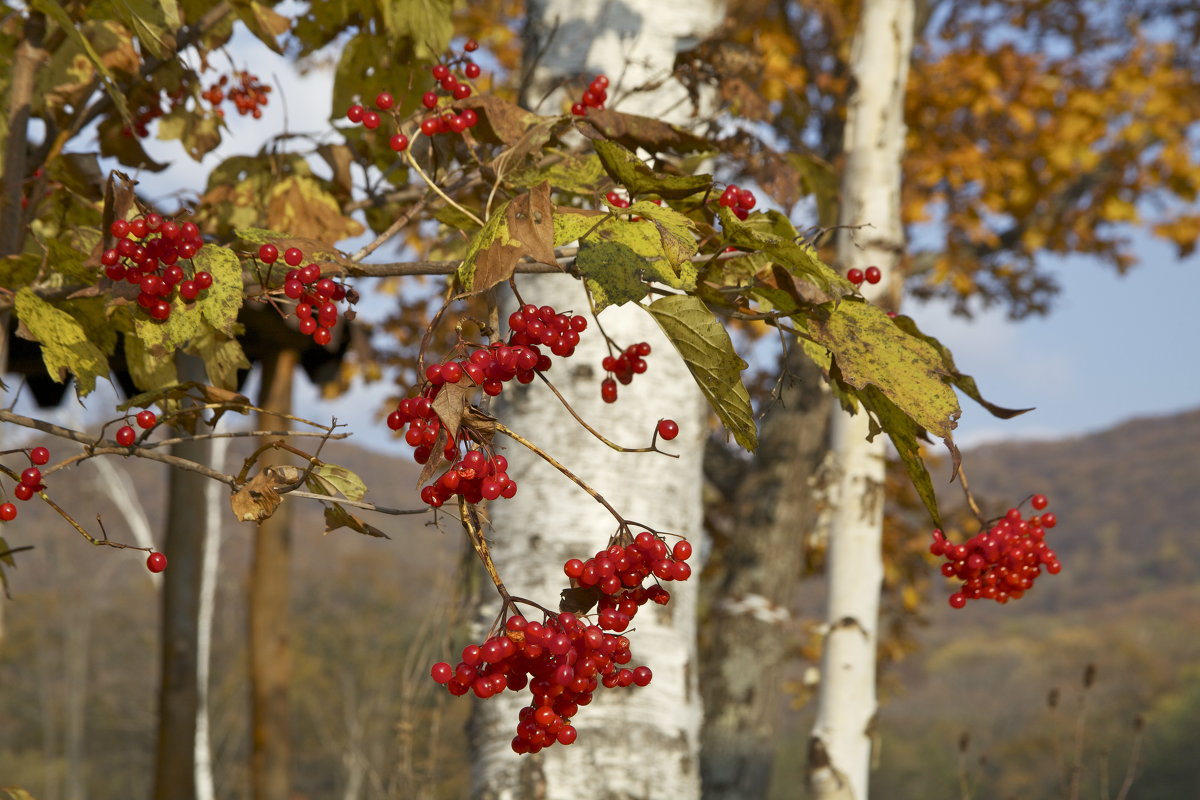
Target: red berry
{"type": "Point", "coordinates": [430, 126]}
{"type": "Point", "coordinates": [355, 114]}
{"type": "Point", "coordinates": [322, 336]}
{"type": "Point", "coordinates": [958, 600]}
{"type": "Point", "coordinates": [119, 228]}
{"type": "Point", "coordinates": [384, 101]}
{"type": "Point", "coordinates": [399, 143]}
{"type": "Point", "coordinates": [268, 253]}
{"type": "Point", "coordinates": [746, 199]}
{"type": "Point", "coordinates": [23, 491]}
{"type": "Point", "coordinates": [440, 72]}
{"type": "Point", "coordinates": [126, 436]}
{"type": "Point", "coordinates": [682, 550]}
{"type": "Point", "coordinates": [146, 419]}
{"type": "Point", "coordinates": [608, 390]}
{"type": "Point", "coordinates": [8, 512]}
{"type": "Point", "coordinates": [371, 120]}
{"type": "Point", "coordinates": [293, 256]}
{"type": "Point", "coordinates": [668, 428]}
{"type": "Point", "coordinates": [471, 70]}
{"type": "Point", "coordinates": [156, 562]}
{"type": "Point", "coordinates": [39, 455]}
{"type": "Point", "coordinates": [1039, 502]}
{"type": "Point", "coordinates": [579, 109]}
{"type": "Point", "coordinates": [31, 477]}
{"type": "Point", "coordinates": [855, 276]}
{"type": "Point", "coordinates": [441, 672]}
{"type": "Point", "coordinates": [462, 92]}
{"type": "Point", "coordinates": [471, 46]}
{"type": "Point", "coordinates": [873, 275]}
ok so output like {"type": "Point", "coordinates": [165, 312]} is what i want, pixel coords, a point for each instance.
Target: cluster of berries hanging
{"type": "Point", "coordinates": [593, 97]}
{"type": "Point", "coordinates": [248, 95]}
{"type": "Point", "coordinates": [563, 660]}
{"type": "Point", "coordinates": [1002, 562]}
{"type": "Point", "coordinates": [445, 120]}
{"type": "Point", "coordinates": [316, 297]}
{"type": "Point", "coordinates": [29, 483]}
{"type": "Point", "coordinates": [632, 361]}
{"type": "Point", "coordinates": [479, 475]}
{"type": "Point", "coordinates": [870, 275]}
{"type": "Point", "coordinates": [739, 201]}
{"type": "Point", "coordinates": [151, 260]}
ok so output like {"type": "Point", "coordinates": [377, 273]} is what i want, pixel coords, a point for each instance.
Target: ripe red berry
{"type": "Point", "coordinates": [579, 109]}
{"type": "Point", "coordinates": [471, 46]}
{"type": "Point", "coordinates": [855, 276]}
{"type": "Point", "coordinates": [873, 275]}
{"type": "Point", "coordinates": [23, 491]}
{"type": "Point", "coordinates": [441, 672]}
{"type": "Point", "coordinates": [440, 72]}
{"type": "Point", "coordinates": [156, 562]}
{"type": "Point", "coordinates": [146, 419]}
{"type": "Point", "coordinates": [371, 120]}
{"type": "Point", "coordinates": [355, 113]}
{"type": "Point", "coordinates": [119, 228]}
{"type": "Point", "coordinates": [472, 70]}
{"type": "Point", "coordinates": [268, 253]}
{"type": "Point", "coordinates": [668, 428]}
{"type": "Point", "coordinates": [1039, 502]}
{"type": "Point", "coordinates": [8, 512]}
{"type": "Point", "coordinates": [399, 143]}
{"type": "Point", "coordinates": [293, 256]}
{"type": "Point", "coordinates": [682, 550]}
{"type": "Point", "coordinates": [608, 390]}
{"type": "Point", "coordinates": [430, 126]}
{"type": "Point", "coordinates": [39, 455]}
{"type": "Point", "coordinates": [126, 436]}
{"type": "Point", "coordinates": [958, 600]}
{"type": "Point", "coordinates": [32, 477]}
{"type": "Point", "coordinates": [384, 101]}
{"type": "Point", "coordinates": [322, 336]}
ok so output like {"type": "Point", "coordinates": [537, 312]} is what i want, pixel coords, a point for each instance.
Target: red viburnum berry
{"type": "Point", "coordinates": [146, 419]}
{"type": "Point", "coordinates": [8, 512]}
{"type": "Point", "coordinates": [39, 455]}
{"type": "Point", "coordinates": [855, 276]}
{"type": "Point", "coordinates": [156, 562]}
{"type": "Point", "coordinates": [873, 274]}
{"type": "Point", "coordinates": [126, 436]}
{"type": "Point", "coordinates": [668, 428]}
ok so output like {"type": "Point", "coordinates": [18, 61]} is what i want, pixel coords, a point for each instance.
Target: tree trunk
{"type": "Point", "coordinates": [633, 743]}
{"type": "Point", "coordinates": [174, 775]}
{"type": "Point", "coordinates": [759, 556]}
{"type": "Point", "coordinates": [270, 600]}
{"type": "Point", "coordinates": [214, 501]}
{"type": "Point", "coordinates": [840, 747]}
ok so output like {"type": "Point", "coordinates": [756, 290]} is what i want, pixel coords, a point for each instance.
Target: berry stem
{"type": "Point", "coordinates": [593, 431]}
{"type": "Point", "coordinates": [549, 459]}
{"type": "Point", "coordinates": [437, 189]}
{"type": "Point", "coordinates": [470, 523]}
{"type": "Point", "coordinates": [962, 479]}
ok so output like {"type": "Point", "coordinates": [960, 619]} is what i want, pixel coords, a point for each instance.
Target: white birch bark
{"type": "Point", "coordinates": [215, 499]}
{"type": "Point", "coordinates": [633, 743]}
{"type": "Point", "coordinates": [840, 749]}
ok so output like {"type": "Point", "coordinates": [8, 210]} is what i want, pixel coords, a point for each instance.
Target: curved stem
{"type": "Point", "coordinates": [596, 433]}
{"type": "Point", "coordinates": [549, 459]}
{"type": "Point", "coordinates": [470, 524]}
{"type": "Point", "coordinates": [436, 189]}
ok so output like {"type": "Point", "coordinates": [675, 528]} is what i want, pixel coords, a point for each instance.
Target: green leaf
{"type": "Point", "coordinates": [222, 356]}
{"type": "Point", "coordinates": [904, 434]}
{"type": "Point", "coordinates": [676, 232]}
{"type": "Point", "coordinates": [145, 18]}
{"type": "Point", "coordinates": [612, 271]}
{"type": "Point", "coordinates": [580, 174]}
{"type": "Point", "coordinates": [259, 235]}
{"type": "Point", "coordinates": [149, 371]}
{"type": "Point", "coordinates": [772, 234]}
{"type": "Point", "coordinates": [338, 517]}
{"type": "Point", "coordinates": [55, 11]}
{"type": "Point", "coordinates": [263, 21]}
{"type": "Point", "coordinates": [572, 223]}
{"type": "Point", "coordinates": [628, 170]}
{"type": "Point", "coordinates": [708, 352]}
{"type": "Point", "coordinates": [221, 302]}
{"type": "Point", "coordinates": [427, 23]}
{"type": "Point", "coordinates": [521, 228]}
{"type": "Point", "coordinates": [869, 349]}
{"type": "Point", "coordinates": [965, 383]}
{"type": "Point", "coordinates": [66, 346]}
{"type": "Point", "coordinates": [328, 478]}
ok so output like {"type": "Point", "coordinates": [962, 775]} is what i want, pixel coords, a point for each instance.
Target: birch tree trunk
{"type": "Point", "coordinates": [840, 747]}
{"type": "Point", "coordinates": [633, 743]}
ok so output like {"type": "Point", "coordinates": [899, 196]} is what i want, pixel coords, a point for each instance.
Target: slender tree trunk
{"type": "Point", "coordinates": [270, 601]}
{"type": "Point", "coordinates": [638, 743]}
{"type": "Point", "coordinates": [840, 747]}
{"type": "Point", "coordinates": [175, 768]}
{"type": "Point", "coordinates": [214, 501]}
{"type": "Point", "coordinates": [759, 554]}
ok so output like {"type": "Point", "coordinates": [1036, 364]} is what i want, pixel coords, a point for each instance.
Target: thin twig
{"type": "Point", "coordinates": [437, 189]}
{"type": "Point", "coordinates": [549, 459]}
{"type": "Point", "coordinates": [358, 503]}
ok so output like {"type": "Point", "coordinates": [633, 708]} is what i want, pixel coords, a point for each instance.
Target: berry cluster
{"type": "Point", "coordinates": [249, 95]}
{"type": "Point", "coordinates": [619, 572]}
{"type": "Point", "coordinates": [316, 297]}
{"type": "Point", "coordinates": [739, 201]}
{"type": "Point", "coordinates": [152, 265]}
{"type": "Point", "coordinates": [480, 476]}
{"type": "Point", "coordinates": [1002, 562]}
{"type": "Point", "coordinates": [146, 419]}
{"type": "Point", "coordinates": [616, 199]}
{"type": "Point", "coordinates": [632, 361]}
{"type": "Point", "coordinates": [447, 120]}
{"type": "Point", "coordinates": [31, 482]}
{"type": "Point", "coordinates": [593, 97]}
{"type": "Point", "coordinates": [870, 275]}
